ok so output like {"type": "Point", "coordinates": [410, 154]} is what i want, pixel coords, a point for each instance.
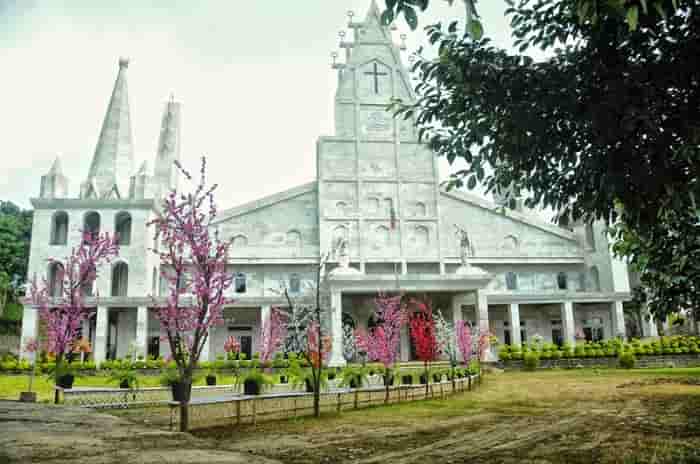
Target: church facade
{"type": "Point", "coordinates": [377, 191]}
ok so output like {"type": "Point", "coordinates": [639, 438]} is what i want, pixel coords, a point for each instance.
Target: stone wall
{"type": "Point", "coordinates": [678, 360]}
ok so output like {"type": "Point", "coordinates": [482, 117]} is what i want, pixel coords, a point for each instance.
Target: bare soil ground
{"type": "Point", "coordinates": [545, 417]}
{"type": "Point", "coordinates": [37, 433]}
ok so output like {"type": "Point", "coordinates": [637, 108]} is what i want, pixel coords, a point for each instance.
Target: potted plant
{"type": "Point", "coordinates": [64, 375]}
{"type": "Point", "coordinates": [170, 378]}
{"type": "Point", "coordinates": [211, 378]}
{"type": "Point", "coordinates": [253, 382]}
{"type": "Point", "coordinates": [30, 347]}
{"type": "Point", "coordinates": [126, 378]}
{"type": "Point", "coordinates": [353, 377]}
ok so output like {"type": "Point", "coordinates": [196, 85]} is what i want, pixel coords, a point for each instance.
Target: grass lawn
{"type": "Point", "coordinates": [12, 385]}
{"type": "Point", "coordinates": [567, 416]}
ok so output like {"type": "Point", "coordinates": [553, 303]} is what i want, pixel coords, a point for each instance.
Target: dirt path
{"type": "Point", "coordinates": [48, 434]}
{"type": "Point", "coordinates": [514, 418]}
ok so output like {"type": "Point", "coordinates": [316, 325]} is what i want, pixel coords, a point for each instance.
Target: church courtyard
{"type": "Point", "coordinates": [573, 416]}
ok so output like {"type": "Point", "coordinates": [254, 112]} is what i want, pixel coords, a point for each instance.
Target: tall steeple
{"type": "Point", "coordinates": [54, 184]}
{"type": "Point", "coordinates": [166, 174]}
{"type": "Point", "coordinates": [112, 165]}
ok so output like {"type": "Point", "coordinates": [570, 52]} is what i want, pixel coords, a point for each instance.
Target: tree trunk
{"type": "Point", "coordinates": [185, 402]}
{"type": "Point", "coordinates": [317, 391]}
{"type": "Point", "coordinates": [427, 378]}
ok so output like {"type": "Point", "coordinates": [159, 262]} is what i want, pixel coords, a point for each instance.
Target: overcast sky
{"type": "Point", "coordinates": [253, 77]}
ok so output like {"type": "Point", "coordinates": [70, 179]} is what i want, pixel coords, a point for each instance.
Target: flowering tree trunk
{"type": "Point", "coordinates": [64, 313]}
{"type": "Point", "coordinates": [193, 260]}
{"type": "Point", "coordinates": [447, 341]}
{"type": "Point", "coordinates": [382, 342]}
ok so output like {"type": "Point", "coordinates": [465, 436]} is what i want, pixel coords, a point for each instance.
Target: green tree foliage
{"type": "Point", "coordinates": [15, 234]}
{"type": "Point", "coordinates": [608, 127]}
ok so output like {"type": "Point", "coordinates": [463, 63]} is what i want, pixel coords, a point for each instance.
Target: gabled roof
{"type": "Point", "coordinates": [266, 201]}
{"type": "Point", "coordinates": [509, 213]}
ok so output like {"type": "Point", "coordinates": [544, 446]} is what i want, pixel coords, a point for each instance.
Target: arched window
{"type": "Point", "coordinates": [373, 205]}
{"type": "Point", "coordinates": [422, 236]}
{"type": "Point", "coordinates": [59, 228]}
{"type": "Point", "coordinates": [419, 209]}
{"type": "Point", "coordinates": [120, 279]}
{"type": "Point", "coordinates": [88, 286]}
{"type": "Point", "coordinates": [293, 239]}
{"type": "Point", "coordinates": [595, 279]}
{"type": "Point", "coordinates": [381, 236]}
{"type": "Point", "coordinates": [511, 281]}
{"type": "Point", "coordinates": [240, 241]}
{"type": "Point", "coordinates": [341, 208]}
{"type": "Point", "coordinates": [562, 281]}
{"type": "Point", "coordinates": [388, 206]}
{"type": "Point", "coordinates": [510, 244]}
{"type": "Point", "coordinates": [590, 236]}
{"type": "Point", "coordinates": [122, 228]}
{"type": "Point", "coordinates": [55, 279]}
{"type": "Point", "coordinates": [239, 283]}
{"type": "Point", "coordinates": [295, 283]}
{"type": "Point", "coordinates": [91, 224]}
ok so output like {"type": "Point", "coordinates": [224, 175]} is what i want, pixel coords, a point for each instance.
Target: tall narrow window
{"type": "Point", "coordinates": [122, 228]}
{"type": "Point", "coordinates": [240, 283]}
{"type": "Point", "coordinates": [511, 281]}
{"type": "Point", "coordinates": [595, 279]}
{"type": "Point", "coordinates": [55, 279]}
{"type": "Point", "coordinates": [59, 228]}
{"type": "Point", "coordinates": [562, 282]}
{"type": "Point", "coordinates": [590, 236]}
{"type": "Point", "coordinates": [120, 279]}
{"type": "Point", "coordinates": [91, 224]}
{"type": "Point", "coordinates": [295, 283]}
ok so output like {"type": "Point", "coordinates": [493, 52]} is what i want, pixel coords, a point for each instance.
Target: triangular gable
{"type": "Point", "coordinates": [265, 201]}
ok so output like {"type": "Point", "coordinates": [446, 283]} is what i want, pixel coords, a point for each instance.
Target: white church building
{"type": "Point", "coordinates": [376, 187]}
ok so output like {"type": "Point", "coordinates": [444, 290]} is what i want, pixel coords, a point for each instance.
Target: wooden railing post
{"type": "Point", "coordinates": [238, 412]}
{"type": "Point", "coordinates": [254, 416]}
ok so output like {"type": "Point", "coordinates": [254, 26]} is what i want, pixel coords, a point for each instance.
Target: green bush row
{"type": "Point", "coordinates": [682, 344]}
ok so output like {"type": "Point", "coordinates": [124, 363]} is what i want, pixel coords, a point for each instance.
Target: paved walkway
{"type": "Point", "coordinates": [39, 433]}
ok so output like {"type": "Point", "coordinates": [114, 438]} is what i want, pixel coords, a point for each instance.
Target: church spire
{"type": "Point", "coordinates": [54, 184]}
{"type": "Point", "coordinates": [112, 164]}
{"type": "Point", "coordinates": [166, 173]}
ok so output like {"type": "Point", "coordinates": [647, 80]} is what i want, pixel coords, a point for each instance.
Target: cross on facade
{"type": "Point", "coordinates": [376, 75]}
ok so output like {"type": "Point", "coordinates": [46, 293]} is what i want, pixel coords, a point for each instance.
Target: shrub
{"type": "Point", "coordinates": [516, 355]}
{"type": "Point", "coordinates": [531, 361]}
{"type": "Point", "coordinates": [244, 364]}
{"type": "Point", "coordinates": [557, 354]}
{"type": "Point", "coordinates": [626, 360]}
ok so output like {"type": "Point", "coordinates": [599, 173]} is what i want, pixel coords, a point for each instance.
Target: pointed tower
{"type": "Point", "coordinates": [166, 174]}
{"type": "Point", "coordinates": [54, 184]}
{"type": "Point", "coordinates": [377, 186]}
{"type": "Point", "coordinates": [112, 165]}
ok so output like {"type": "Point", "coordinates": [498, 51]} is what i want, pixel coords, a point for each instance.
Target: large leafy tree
{"type": "Point", "coordinates": [607, 127]}
{"type": "Point", "coordinates": [15, 234]}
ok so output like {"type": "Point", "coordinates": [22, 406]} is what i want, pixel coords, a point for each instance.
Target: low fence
{"type": "Point", "coordinates": [106, 398]}
{"type": "Point", "coordinates": [652, 361]}
{"type": "Point", "coordinates": [206, 413]}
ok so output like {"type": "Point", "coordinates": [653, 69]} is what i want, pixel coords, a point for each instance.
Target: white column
{"type": "Point", "coordinates": [264, 314]}
{"type": "Point", "coordinates": [142, 331]}
{"type": "Point", "coordinates": [30, 329]}
{"type": "Point", "coordinates": [100, 348]}
{"type": "Point", "coordinates": [618, 319]}
{"type": "Point", "coordinates": [336, 358]}
{"type": "Point", "coordinates": [405, 344]}
{"type": "Point", "coordinates": [568, 323]}
{"type": "Point", "coordinates": [457, 315]}
{"type": "Point", "coordinates": [482, 316]}
{"type": "Point", "coordinates": [514, 320]}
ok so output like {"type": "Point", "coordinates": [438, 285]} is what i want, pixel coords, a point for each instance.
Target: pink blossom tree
{"type": "Point", "coordinates": [464, 341]}
{"type": "Point", "coordinates": [231, 346]}
{"type": "Point", "coordinates": [382, 342]}
{"type": "Point", "coordinates": [422, 325]}
{"type": "Point", "coordinates": [193, 260]}
{"type": "Point", "coordinates": [272, 334]}
{"type": "Point", "coordinates": [61, 302]}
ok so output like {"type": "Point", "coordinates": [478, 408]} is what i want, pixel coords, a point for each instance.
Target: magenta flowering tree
{"type": "Point", "coordinates": [464, 340]}
{"type": "Point", "coordinates": [382, 342]}
{"type": "Point", "coordinates": [272, 334]}
{"type": "Point", "coordinates": [61, 302]}
{"type": "Point", "coordinates": [193, 260]}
